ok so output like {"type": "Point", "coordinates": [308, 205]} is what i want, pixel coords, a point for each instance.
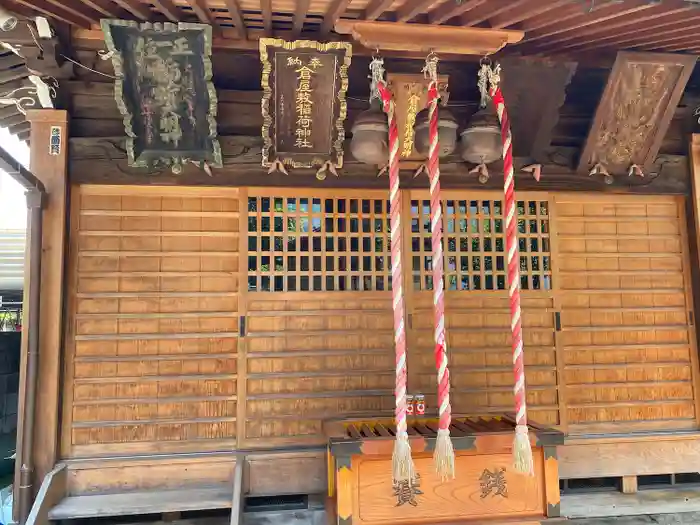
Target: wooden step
{"type": "Point", "coordinates": [137, 503]}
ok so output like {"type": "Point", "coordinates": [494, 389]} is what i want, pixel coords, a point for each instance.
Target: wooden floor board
{"type": "Point", "coordinates": [611, 504]}
{"type": "Point", "coordinates": [138, 503]}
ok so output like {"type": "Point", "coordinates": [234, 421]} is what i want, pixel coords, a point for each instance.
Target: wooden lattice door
{"type": "Point", "coordinates": [477, 319]}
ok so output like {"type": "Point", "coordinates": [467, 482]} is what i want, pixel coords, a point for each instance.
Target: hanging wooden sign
{"type": "Point", "coordinates": [410, 95]}
{"type": "Point", "coordinates": [164, 91]}
{"type": "Point", "coordinates": [303, 105]}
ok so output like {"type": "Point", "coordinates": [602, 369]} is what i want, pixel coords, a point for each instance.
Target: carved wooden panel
{"type": "Point", "coordinates": [628, 344]}
{"type": "Point", "coordinates": [534, 90]}
{"type": "Point", "coordinates": [635, 110]}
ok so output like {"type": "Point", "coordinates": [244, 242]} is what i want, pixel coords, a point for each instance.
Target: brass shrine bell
{"type": "Point", "coordinates": [447, 132]}
{"type": "Point", "coordinates": [481, 139]}
{"type": "Point", "coordinates": [370, 137]}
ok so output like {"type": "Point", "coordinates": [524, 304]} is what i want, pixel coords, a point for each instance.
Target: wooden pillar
{"type": "Point", "coordinates": [692, 209]}
{"type": "Point", "coordinates": [48, 162]}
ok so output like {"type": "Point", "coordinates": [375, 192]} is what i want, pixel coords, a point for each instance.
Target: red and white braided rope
{"type": "Point", "coordinates": [443, 373]}
{"type": "Point", "coordinates": [513, 258]}
{"type": "Point", "coordinates": [396, 270]}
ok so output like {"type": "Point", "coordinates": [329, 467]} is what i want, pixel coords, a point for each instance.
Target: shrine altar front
{"type": "Point", "coordinates": [486, 486]}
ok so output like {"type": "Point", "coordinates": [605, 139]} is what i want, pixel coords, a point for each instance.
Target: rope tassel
{"type": "Point", "coordinates": [522, 451]}
{"type": "Point", "coordinates": [402, 462]}
{"type": "Point", "coordinates": [444, 455]}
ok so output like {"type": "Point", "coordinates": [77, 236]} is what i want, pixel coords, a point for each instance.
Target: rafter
{"type": "Point", "coordinates": [300, 17]}
{"type": "Point", "coordinates": [266, 8]}
{"type": "Point", "coordinates": [46, 9]}
{"type": "Point", "coordinates": [170, 10]}
{"type": "Point", "coordinates": [376, 8]}
{"type": "Point", "coordinates": [201, 9]}
{"type": "Point", "coordinates": [685, 46]}
{"type": "Point", "coordinates": [10, 60]}
{"type": "Point", "coordinates": [106, 8]}
{"type": "Point", "coordinates": [603, 14]}
{"type": "Point", "coordinates": [525, 12]}
{"type": "Point", "coordinates": [78, 9]}
{"type": "Point", "coordinates": [19, 128]}
{"type": "Point", "coordinates": [486, 11]}
{"type": "Point", "coordinates": [549, 18]}
{"type": "Point", "coordinates": [635, 34]}
{"type": "Point", "coordinates": [412, 8]}
{"type": "Point", "coordinates": [8, 111]}
{"type": "Point", "coordinates": [234, 11]}
{"type": "Point", "coordinates": [651, 14]}
{"type": "Point", "coordinates": [136, 8]}
{"type": "Point", "coordinates": [335, 11]}
{"type": "Point", "coordinates": [669, 39]}
{"type": "Point", "coordinates": [13, 74]}
{"type": "Point", "coordinates": [450, 9]}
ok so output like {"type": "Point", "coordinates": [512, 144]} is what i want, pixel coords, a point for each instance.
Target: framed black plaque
{"type": "Point", "coordinates": [164, 91]}
{"type": "Point", "coordinates": [304, 85]}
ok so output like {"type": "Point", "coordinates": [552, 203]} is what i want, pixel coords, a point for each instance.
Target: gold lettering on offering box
{"type": "Point", "coordinates": [493, 483]}
{"type": "Point", "coordinates": [169, 84]}
{"type": "Point", "coordinates": [304, 99]}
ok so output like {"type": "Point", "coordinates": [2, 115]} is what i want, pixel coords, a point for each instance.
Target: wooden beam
{"type": "Point", "coordinates": [201, 9]}
{"type": "Point", "coordinates": [20, 127]}
{"type": "Point", "coordinates": [549, 18]}
{"type": "Point", "coordinates": [234, 11]}
{"type": "Point", "coordinates": [635, 111]}
{"type": "Point", "coordinates": [376, 8]}
{"type": "Point", "coordinates": [8, 111]}
{"type": "Point", "coordinates": [266, 9]}
{"type": "Point", "coordinates": [78, 9]}
{"type": "Point", "coordinates": [54, 487]}
{"type": "Point", "coordinates": [238, 490]}
{"type": "Point", "coordinates": [136, 8]}
{"type": "Point", "coordinates": [302, 7]}
{"type": "Point", "coordinates": [107, 8]}
{"type": "Point", "coordinates": [652, 14]}
{"type": "Point", "coordinates": [683, 35]}
{"type": "Point", "coordinates": [486, 11]}
{"type": "Point", "coordinates": [11, 121]}
{"type": "Point", "coordinates": [335, 11]}
{"type": "Point", "coordinates": [425, 38]}
{"type": "Point", "coordinates": [44, 8]}
{"type": "Point", "coordinates": [450, 9]}
{"type": "Point", "coordinates": [685, 46]}
{"type": "Point", "coordinates": [15, 73]}
{"type": "Point", "coordinates": [53, 172]}
{"type": "Point", "coordinates": [169, 9]}
{"type": "Point", "coordinates": [607, 12]}
{"type": "Point", "coordinates": [629, 484]}
{"type": "Point", "coordinates": [525, 12]}
{"type": "Point", "coordinates": [10, 60]}
{"type": "Point", "coordinates": [90, 164]}
{"type": "Point", "coordinates": [411, 8]}
{"type": "Point", "coordinates": [635, 34]}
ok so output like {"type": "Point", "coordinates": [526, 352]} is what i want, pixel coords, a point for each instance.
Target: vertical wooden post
{"type": "Point", "coordinates": [693, 221]}
{"type": "Point", "coordinates": [49, 163]}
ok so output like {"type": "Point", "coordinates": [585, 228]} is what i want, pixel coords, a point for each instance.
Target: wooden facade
{"type": "Point", "coordinates": [200, 328]}
{"type": "Point", "coordinates": [188, 333]}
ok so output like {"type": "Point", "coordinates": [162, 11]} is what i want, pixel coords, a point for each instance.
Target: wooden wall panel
{"type": "Point", "coordinates": [629, 348]}
{"type": "Point", "coordinates": [477, 313]}
{"type": "Point", "coordinates": [319, 340]}
{"type": "Point", "coordinates": [153, 331]}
